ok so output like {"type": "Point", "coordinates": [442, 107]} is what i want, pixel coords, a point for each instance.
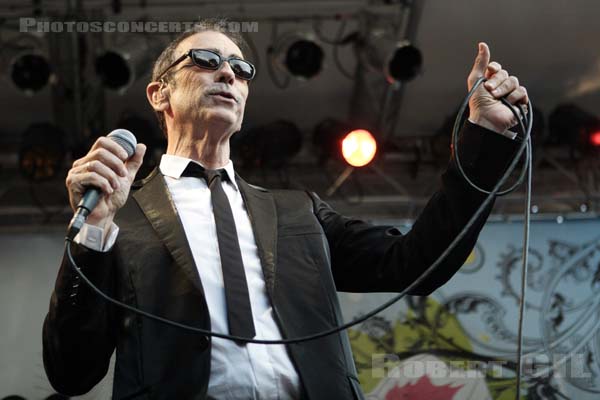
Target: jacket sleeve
{"type": "Point", "coordinates": [78, 333]}
{"type": "Point", "coordinates": [368, 258]}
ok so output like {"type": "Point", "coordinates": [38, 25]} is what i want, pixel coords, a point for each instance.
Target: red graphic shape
{"type": "Point", "coordinates": [422, 389]}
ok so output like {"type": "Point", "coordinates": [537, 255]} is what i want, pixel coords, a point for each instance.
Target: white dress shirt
{"type": "Point", "coordinates": [250, 371]}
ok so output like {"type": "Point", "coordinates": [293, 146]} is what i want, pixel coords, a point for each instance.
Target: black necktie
{"type": "Point", "coordinates": [239, 311]}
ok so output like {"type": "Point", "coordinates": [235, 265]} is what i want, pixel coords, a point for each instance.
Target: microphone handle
{"type": "Point", "coordinates": [84, 208]}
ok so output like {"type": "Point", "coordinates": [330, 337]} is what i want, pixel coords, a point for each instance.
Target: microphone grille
{"type": "Point", "coordinates": [125, 139]}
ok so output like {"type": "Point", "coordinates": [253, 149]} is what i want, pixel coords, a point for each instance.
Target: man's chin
{"type": "Point", "coordinates": [222, 118]}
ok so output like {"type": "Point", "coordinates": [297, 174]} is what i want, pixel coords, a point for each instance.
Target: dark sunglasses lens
{"type": "Point", "coordinates": [242, 68]}
{"type": "Point", "coordinates": [206, 59]}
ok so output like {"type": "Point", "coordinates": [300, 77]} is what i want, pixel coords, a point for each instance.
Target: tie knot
{"type": "Point", "coordinates": [209, 175]}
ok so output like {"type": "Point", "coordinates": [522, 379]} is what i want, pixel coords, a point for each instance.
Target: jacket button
{"type": "Point", "coordinates": [73, 297]}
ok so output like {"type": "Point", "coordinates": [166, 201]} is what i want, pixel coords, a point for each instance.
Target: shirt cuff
{"type": "Point", "coordinates": [92, 237]}
{"type": "Point", "coordinates": [507, 133]}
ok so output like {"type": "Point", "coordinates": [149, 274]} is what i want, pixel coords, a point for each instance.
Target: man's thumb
{"type": "Point", "coordinates": [135, 162]}
{"type": "Point", "coordinates": [481, 62]}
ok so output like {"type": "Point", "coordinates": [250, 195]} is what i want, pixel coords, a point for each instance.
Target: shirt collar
{"type": "Point", "coordinates": [173, 166]}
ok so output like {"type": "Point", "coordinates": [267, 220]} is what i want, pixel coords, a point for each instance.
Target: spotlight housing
{"type": "Point", "coordinates": [30, 72]}
{"type": "Point", "coordinates": [404, 63]}
{"type": "Point", "coordinates": [299, 54]}
{"type": "Point", "coordinates": [398, 60]}
{"type": "Point", "coordinates": [121, 64]}
{"type": "Point", "coordinates": [26, 64]}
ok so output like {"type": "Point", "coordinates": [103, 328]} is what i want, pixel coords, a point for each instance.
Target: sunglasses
{"type": "Point", "coordinates": [208, 59]}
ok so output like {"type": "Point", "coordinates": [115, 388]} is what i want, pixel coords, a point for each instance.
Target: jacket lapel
{"type": "Point", "coordinates": [155, 201]}
{"type": "Point", "coordinates": [263, 217]}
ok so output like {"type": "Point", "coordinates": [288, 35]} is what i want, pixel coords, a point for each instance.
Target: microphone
{"type": "Point", "coordinates": [127, 141]}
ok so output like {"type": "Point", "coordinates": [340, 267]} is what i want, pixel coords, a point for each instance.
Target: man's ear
{"type": "Point", "coordinates": [158, 95]}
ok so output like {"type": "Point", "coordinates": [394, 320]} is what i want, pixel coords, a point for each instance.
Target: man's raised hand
{"type": "Point", "coordinates": [485, 107]}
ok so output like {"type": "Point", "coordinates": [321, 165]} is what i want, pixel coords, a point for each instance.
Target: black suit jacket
{"type": "Point", "coordinates": [307, 252]}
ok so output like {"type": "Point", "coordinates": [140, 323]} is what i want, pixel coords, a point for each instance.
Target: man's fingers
{"type": "Point", "coordinates": [496, 80]}
{"type": "Point", "coordinates": [135, 162]}
{"type": "Point", "coordinates": [492, 68]}
{"type": "Point", "coordinates": [104, 166]}
{"type": "Point", "coordinates": [505, 87]}
{"type": "Point", "coordinates": [96, 180]}
{"type": "Point", "coordinates": [110, 160]}
{"type": "Point", "coordinates": [101, 169]}
{"type": "Point", "coordinates": [80, 182]}
{"type": "Point", "coordinates": [518, 96]}
{"type": "Point", "coordinates": [481, 62]}
{"type": "Point", "coordinates": [110, 145]}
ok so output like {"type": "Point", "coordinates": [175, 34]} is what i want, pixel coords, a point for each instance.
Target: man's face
{"type": "Point", "coordinates": [202, 95]}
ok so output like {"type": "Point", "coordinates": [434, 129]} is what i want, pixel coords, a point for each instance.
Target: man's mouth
{"type": "Point", "coordinates": [224, 95]}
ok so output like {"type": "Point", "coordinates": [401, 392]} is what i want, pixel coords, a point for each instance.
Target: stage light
{"type": "Point", "coordinates": [26, 63]}
{"type": "Point", "coordinates": [404, 64]}
{"type": "Point", "coordinates": [41, 152]}
{"type": "Point", "coordinates": [122, 63]}
{"type": "Point", "coordinates": [574, 127]}
{"type": "Point", "coordinates": [272, 145]}
{"type": "Point", "coordinates": [399, 61]}
{"type": "Point", "coordinates": [337, 140]}
{"type": "Point", "coordinates": [359, 147]}
{"type": "Point", "coordinates": [299, 54]}
{"type": "Point", "coordinates": [30, 72]}
{"type": "Point", "coordinates": [595, 139]}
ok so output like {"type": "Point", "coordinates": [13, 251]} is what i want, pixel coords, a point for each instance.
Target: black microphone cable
{"type": "Point", "coordinates": [527, 113]}
{"type": "Point", "coordinates": [525, 145]}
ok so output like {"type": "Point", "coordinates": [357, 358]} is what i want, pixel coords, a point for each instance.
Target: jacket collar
{"type": "Point", "coordinates": [154, 199]}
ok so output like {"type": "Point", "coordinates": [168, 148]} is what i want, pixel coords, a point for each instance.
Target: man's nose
{"type": "Point", "coordinates": [225, 73]}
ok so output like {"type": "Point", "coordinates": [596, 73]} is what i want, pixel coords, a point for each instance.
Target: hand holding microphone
{"type": "Point", "coordinates": [99, 182]}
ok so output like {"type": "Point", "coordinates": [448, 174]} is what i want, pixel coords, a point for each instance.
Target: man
{"type": "Point", "coordinates": [163, 251]}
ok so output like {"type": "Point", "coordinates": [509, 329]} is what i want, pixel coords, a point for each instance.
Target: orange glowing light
{"type": "Point", "coordinates": [595, 139]}
{"type": "Point", "coordinates": [359, 147]}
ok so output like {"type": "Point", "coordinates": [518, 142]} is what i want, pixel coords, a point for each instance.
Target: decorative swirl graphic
{"type": "Point", "coordinates": [562, 350]}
